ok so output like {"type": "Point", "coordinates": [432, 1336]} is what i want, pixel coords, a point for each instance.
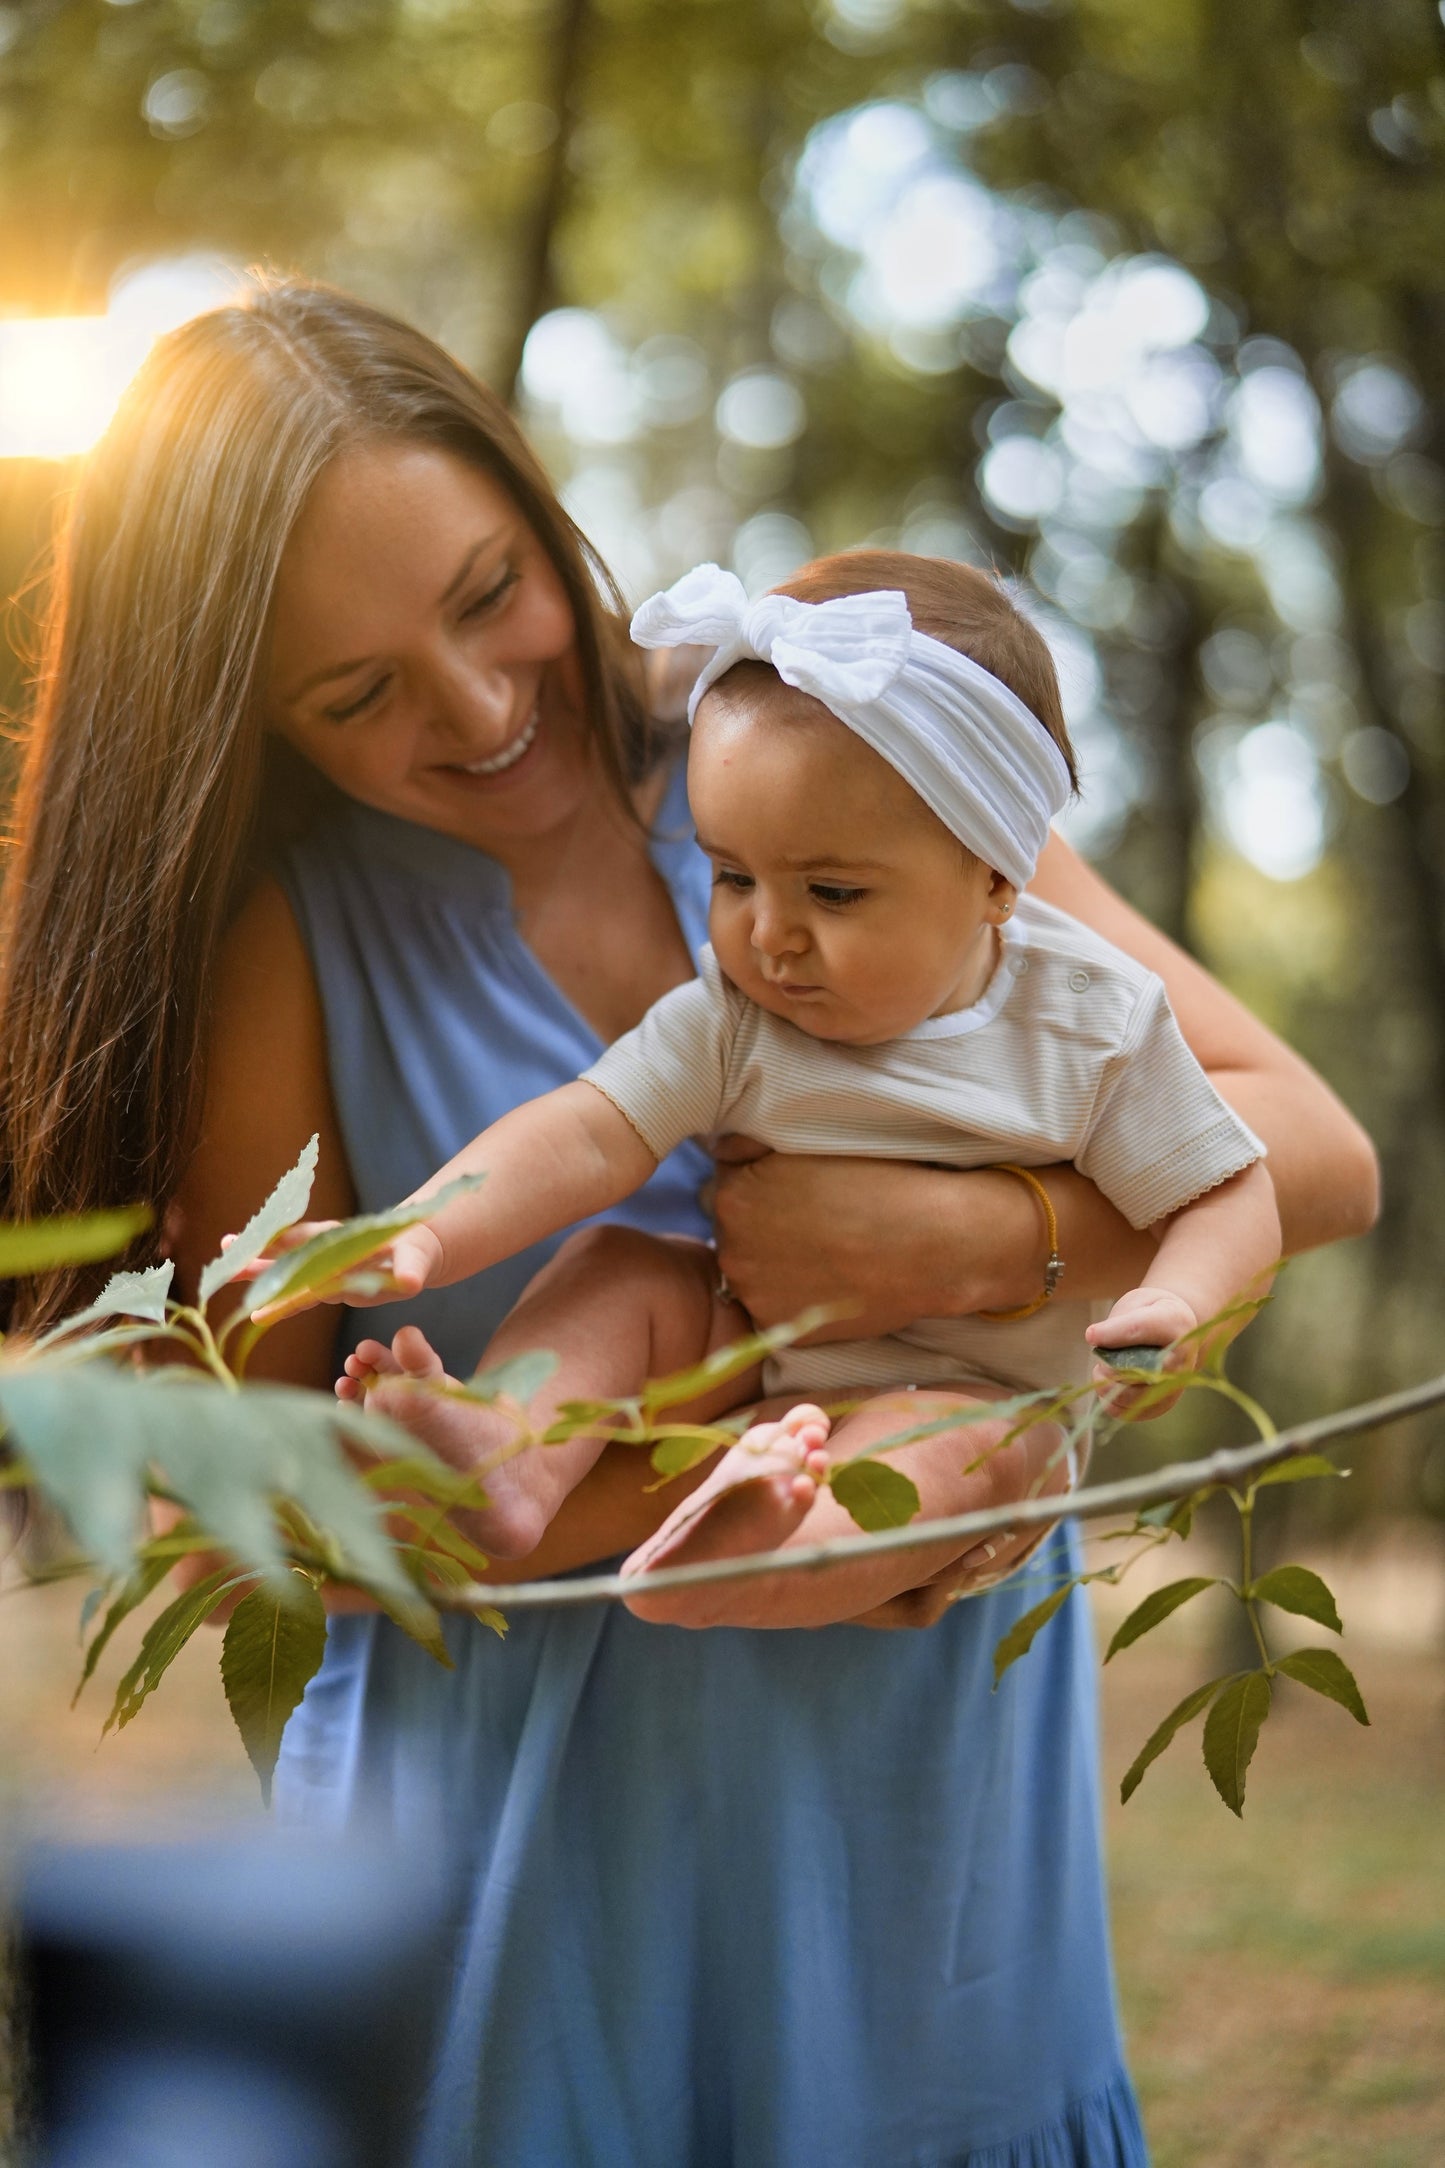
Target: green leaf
{"type": "Point", "coordinates": [270, 1651]}
{"type": "Point", "coordinates": [674, 1456]}
{"type": "Point", "coordinates": [1295, 1588]}
{"type": "Point", "coordinates": [520, 1378]}
{"type": "Point", "coordinates": [454, 1575]}
{"type": "Point", "coordinates": [1155, 1608]}
{"type": "Point", "coordinates": [729, 1362]}
{"type": "Point", "coordinates": [91, 1437]}
{"type": "Point", "coordinates": [433, 1532]}
{"type": "Point", "coordinates": [424, 1627]}
{"type": "Point", "coordinates": [876, 1495]}
{"type": "Point", "coordinates": [1148, 1359]}
{"type": "Point", "coordinates": [165, 1637]}
{"type": "Point", "coordinates": [145, 1580]}
{"type": "Point", "coordinates": [330, 1255]}
{"type": "Point", "coordinates": [1022, 1634]}
{"type": "Point", "coordinates": [286, 1204]}
{"type": "Point", "coordinates": [1231, 1734]}
{"type": "Point", "coordinates": [125, 1294]}
{"type": "Point", "coordinates": [1163, 1733]}
{"type": "Point", "coordinates": [1325, 1673]}
{"type": "Point", "coordinates": [1175, 1514]}
{"type": "Point", "coordinates": [79, 1238]}
{"type": "Point", "coordinates": [1300, 1470]}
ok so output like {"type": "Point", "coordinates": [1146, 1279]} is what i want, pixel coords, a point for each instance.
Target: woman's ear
{"type": "Point", "coordinates": [1002, 896]}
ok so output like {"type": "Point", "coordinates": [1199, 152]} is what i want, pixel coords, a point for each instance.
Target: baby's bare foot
{"type": "Point", "coordinates": [757, 1495]}
{"type": "Point", "coordinates": [467, 1436]}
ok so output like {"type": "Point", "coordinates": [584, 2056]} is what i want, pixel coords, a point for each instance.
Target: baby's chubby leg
{"type": "Point", "coordinates": [955, 1471]}
{"type": "Point", "coordinates": [615, 1307]}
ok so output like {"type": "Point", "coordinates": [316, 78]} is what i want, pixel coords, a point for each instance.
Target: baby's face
{"type": "Point", "coordinates": [840, 902]}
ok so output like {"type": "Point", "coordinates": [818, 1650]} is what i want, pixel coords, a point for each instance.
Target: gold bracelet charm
{"type": "Point", "coordinates": [1053, 1270]}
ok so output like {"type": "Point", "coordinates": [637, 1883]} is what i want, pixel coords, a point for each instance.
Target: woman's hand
{"type": "Point", "coordinates": [886, 1241]}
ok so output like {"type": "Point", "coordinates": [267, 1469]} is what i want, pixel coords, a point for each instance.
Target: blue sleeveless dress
{"type": "Point", "coordinates": [732, 1899]}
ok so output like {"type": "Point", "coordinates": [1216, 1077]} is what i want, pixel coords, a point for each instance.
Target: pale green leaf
{"type": "Point", "coordinates": [92, 1435]}
{"type": "Point", "coordinates": [422, 1625]}
{"type": "Point", "coordinates": [270, 1651]}
{"type": "Point", "coordinates": [125, 1294]}
{"type": "Point", "coordinates": [726, 1363]}
{"type": "Point", "coordinates": [1302, 1469]}
{"type": "Point", "coordinates": [1150, 1360]}
{"type": "Point", "coordinates": [519, 1378]}
{"type": "Point", "coordinates": [329, 1256]}
{"type": "Point", "coordinates": [876, 1495]}
{"type": "Point", "coordinates": [1296, 1588]}
{"type": "Point", "coordinates": [80, 1238]}
{"type": "Point", "coordinates": [1160, 1737]}
{"type": "Point", "coordinates": [286, 1204]}
{"type": "Point", "coordinates": [164, 1639]}
{"type": "Point", "coordinates": [1325, 1673]}
{"type": "Point", "coordinates": [1156, 1607]}
{"type": "Point", "coordinates": [1231, 1734]}
{"type": "Point", "coordinates": [1174, 1514]}
{"type": "Point", "coordinates": [673, 1457]}
{"type": "Point", "coordinates": [145, 1580]}
{"type": "Point", "coordinates": [1022, 1634]}
{"type": "Point", "coordinates": [434, 1532]}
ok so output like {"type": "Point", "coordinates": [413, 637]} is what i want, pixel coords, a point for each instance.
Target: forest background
{"type": "Point", "coordinates": [1138, 299]}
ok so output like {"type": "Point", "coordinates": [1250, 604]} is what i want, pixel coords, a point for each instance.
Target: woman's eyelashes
{"type": "Point", "coordinates": [488, 600]}
{"type": "Point", "coordinates": [479, 606]}
{"type": "Point", "coordinates": [358, 706]}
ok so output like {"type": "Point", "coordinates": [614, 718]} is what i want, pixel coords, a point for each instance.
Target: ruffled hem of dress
{"type": "Point", "coordinates": [1102, 2130]}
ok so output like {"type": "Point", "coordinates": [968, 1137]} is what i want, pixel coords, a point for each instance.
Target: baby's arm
{"type": "Point", "coordinates": [557, 1159]}
{"type": "Point", "coordinates": [1214, 1250]}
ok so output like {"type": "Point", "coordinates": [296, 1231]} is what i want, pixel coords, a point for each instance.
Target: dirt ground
{"type": "Point", "coordinates": [1282, 1979]}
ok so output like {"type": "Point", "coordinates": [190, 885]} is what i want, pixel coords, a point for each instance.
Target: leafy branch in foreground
{"type": "Point", "coordinates": [298, 1491]}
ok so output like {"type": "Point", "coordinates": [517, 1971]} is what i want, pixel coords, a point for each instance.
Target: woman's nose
{"type": "Point", "coordinates": [474, 708]}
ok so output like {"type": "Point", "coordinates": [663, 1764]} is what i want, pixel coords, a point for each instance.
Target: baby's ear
{"type": "Point", "coordinates": [1002, 896]}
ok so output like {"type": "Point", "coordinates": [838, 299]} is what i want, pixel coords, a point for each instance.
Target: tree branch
{"type": "Point", "coordinates": [1130, 1494]}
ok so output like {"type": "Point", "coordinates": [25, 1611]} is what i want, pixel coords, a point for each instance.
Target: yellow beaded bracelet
{"type": "Point", "coordinates": [1053, 1270]}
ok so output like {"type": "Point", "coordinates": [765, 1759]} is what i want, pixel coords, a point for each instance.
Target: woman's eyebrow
{"type": "Point", "coordinates": [459, 580]}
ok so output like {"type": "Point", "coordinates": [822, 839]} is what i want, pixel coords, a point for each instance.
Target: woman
{"type": "Point", "coordinates": [729, 1897]}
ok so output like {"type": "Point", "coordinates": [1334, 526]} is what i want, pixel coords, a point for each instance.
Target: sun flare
{"type": "Point", "coordinates": [62, 377]}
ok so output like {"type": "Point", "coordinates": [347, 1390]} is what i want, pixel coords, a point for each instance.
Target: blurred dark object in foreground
{"type": "Point", "coordinates": [228, 2004]}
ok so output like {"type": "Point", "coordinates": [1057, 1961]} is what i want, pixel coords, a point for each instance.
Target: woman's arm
{"type": "Point", "coordinates": [268, 1090]}
{"type": "Point", "coordinates": [899, 1242]}
{"type": "Point", "coordinates": [1324, 1169]}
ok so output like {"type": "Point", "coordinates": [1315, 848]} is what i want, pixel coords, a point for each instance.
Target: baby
{"type": "Point", "coordinates": [873, 800]}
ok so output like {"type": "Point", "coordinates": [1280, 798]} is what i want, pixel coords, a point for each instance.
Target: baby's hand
{"type": "Point", "coordinates": [393, 1272]}
{"type": "Point", "coordinates": [1145, 1317]}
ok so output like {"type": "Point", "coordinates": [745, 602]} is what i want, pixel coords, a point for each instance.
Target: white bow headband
{"type": "Point", "coordinates": [969, 747]}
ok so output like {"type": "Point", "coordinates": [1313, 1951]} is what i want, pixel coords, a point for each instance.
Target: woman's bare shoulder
{"type": "Point", "coordinates": [268, 1090]}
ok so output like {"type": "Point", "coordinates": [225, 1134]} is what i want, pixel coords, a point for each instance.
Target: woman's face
{"type": "Point", "coordinates": [423, 654]}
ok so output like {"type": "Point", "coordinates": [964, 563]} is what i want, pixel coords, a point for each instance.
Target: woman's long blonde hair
{"type": "Point", "coordinates": [149, 787]}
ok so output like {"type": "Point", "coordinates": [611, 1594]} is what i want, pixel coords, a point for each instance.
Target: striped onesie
{"type": "Point", "coordinates": [1071, 1053]}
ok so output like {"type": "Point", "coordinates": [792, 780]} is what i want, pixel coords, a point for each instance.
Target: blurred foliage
{"type": "Point", "coordinates": [1139, 300]}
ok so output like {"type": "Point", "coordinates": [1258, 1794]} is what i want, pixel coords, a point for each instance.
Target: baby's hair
{"type": "Point", "coordinates": [960, 606]}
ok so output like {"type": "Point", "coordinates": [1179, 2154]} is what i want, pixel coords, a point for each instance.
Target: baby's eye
{"type": "Point", "coordinates": [828, 892]}
{"type": "Point", "coordinates": [365, 700]}
{"type": "Point", "coordinates": [481, 603]}
{"type": "Point", "coordinates": [725, 877]}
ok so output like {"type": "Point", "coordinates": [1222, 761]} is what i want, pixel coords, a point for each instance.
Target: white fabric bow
{"type": "Point", "coordinates": [969, 747]}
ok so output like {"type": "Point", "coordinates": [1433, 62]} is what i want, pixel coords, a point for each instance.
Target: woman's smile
{"type": "Point", "coordinates": [509, 758]}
